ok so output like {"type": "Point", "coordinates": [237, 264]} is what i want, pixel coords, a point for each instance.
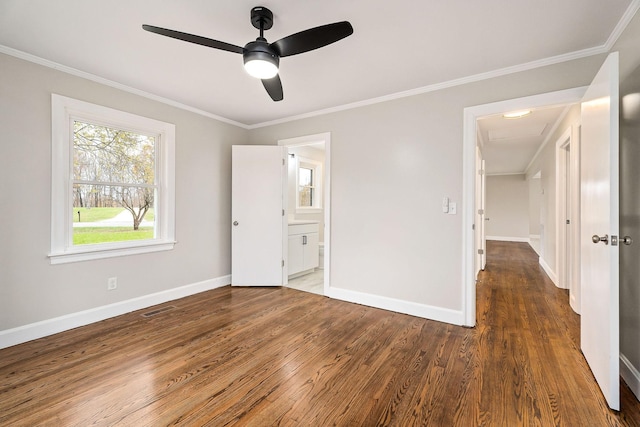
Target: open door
{"type": "Point", "coordinates": [481, 241]}
{"type": "Point", "coordinates": [258, 203]}
{"type": "Point", "coordinates": [599, 327]}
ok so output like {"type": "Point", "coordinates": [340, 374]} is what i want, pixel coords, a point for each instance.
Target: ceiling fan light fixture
{"type": "Point", "coordinates": [259, 62]}
{"type": "Point", "coordinates": [261, 69]}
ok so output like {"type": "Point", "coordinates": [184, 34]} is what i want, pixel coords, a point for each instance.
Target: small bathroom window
{"type": "Point", "coordinates": [309, 188]}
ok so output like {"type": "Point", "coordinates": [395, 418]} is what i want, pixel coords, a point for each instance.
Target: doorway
{"type": "Point", "coordinates": [470, 175]}
{"type": "Point", "coordinates": [568, 214]}
{"type": "Point", "coordinates": [309, 205]}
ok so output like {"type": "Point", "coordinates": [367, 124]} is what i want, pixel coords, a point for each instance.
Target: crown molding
{"type": "Point", "coordinates": [605, 48]}
{"type": "Point", "coordinates": [622, 24]}
{"type": "Point", "coordinates": [82, 74]}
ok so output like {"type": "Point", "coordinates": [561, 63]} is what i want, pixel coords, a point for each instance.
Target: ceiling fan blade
{"type": "Point", "coordinates": [274, 88]}
{"type": "Point", "coordinates": [313, 38]}
{"type": "Point", "coordinates": [194, 39]}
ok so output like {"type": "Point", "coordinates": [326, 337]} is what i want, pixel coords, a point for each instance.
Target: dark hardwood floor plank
{"type": "Point", "coordinates": [277, 356]}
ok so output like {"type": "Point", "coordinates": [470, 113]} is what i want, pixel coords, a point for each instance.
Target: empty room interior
{"type": "Point", "coordinates": [319, 213]}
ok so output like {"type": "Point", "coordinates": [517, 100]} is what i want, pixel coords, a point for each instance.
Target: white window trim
{"type": "Point", "coordinates": [317, 176]}
{"type": "Point", "coordinates": [63, 109]}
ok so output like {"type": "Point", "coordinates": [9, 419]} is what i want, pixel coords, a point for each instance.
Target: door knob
{"type": "Point", "coordinates": [627, 240]}
{"type": "Point", "coordinates": [235, 223]}
{"type": "Point", "coordinates": [597, 239]}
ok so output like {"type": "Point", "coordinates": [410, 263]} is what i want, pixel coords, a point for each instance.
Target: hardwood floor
{"type": "Point", "coordinates": [278, 356]}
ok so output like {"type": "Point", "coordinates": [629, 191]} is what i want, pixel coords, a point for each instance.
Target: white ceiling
{"type": "Point", "coordinates": [397, 46]}
{"type": "Point", "coordinates": [509, 145]}
{"type": "Point", "coordinates": [400, 47]}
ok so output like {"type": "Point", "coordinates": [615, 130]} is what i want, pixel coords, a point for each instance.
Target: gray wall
{"type": "Point", "coordinates": [627, 45]}
{"type": "Point", "coordinates": [535, 195]}
{"type": "Point", "coordinates": [31, 289]}
{"type": "Point", "coordinates": [507, 207]}
{"type": "Point", "coordinates": [630, 220]}
{"type": "Point", "coordinates": [392, 163]}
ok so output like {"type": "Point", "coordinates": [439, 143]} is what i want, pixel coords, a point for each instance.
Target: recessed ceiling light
{"type": "Point", "coordinates": [516, 114]}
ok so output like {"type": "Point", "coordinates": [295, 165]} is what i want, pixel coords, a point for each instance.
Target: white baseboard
{"type": "Point", "coordinates": [47, 327]}
{"type": "Point", "coordinates": [406, 307]}
{"type": "Point", "coordinates": [630, 374]}
{"type": "Point", "coordinates": [508, 239]}
{"type": "Point", "coordinates": [548, 270]}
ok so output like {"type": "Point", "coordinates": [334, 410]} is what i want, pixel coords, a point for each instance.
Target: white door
{"type": "Point", "coordinates": [599, 327]}
{"type": "Point", "coordinates": [258, 180]}
{"type": "Point", "coordinates": [483, 217]}
{"type": "Point", "coordinates": [481, 242]}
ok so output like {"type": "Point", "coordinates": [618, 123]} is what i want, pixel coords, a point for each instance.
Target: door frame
{"type": "Point", "coordinates": [469, 173]}
{"type": "Point", "coordinates": [568, 253]}
{"type": "Point", "coordinates": [326, 185]}
{"type": "Point", "coordinates": [480, 237]}
{"type": "Point", "coordinates": [563, 196]}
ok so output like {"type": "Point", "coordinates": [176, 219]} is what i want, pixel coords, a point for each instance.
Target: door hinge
{"type": "Point", "coordinates": [480, 251]}
{"type": "Point", "coordinates": [473, 226]}
{"type": "Point", "coordinates": [568, 221]}
{"type": "Point", "coordinates": [282, 162]}
{"type": "Point", "coordinates": [283, 263]}
{"type": "Point", "coordinates": [282, 212]}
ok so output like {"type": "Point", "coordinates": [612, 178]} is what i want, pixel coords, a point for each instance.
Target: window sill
{"type": "Point", "coordinates": [93, 252]}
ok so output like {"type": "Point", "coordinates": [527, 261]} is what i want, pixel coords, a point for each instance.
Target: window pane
{"type": "Point", "coordinates": [306, 197]}
{"type": "Point", "coordinates": [104, 154]}
{"type": "Point", "coordinates": [103, 213]}
{"type": "Point", "coordinates": [305, 177]}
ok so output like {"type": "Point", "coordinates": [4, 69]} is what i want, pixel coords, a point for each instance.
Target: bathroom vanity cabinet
{"type": "Point", "coordinates": [303, 247]}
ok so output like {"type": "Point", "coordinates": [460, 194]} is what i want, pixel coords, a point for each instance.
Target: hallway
{"type": "Point", "coordinates": [530, 338]}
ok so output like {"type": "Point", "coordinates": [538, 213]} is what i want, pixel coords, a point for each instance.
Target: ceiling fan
{"type": "Point", "coordinates": [261, 59]}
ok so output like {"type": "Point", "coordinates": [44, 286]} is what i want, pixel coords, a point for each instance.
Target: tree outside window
{"type": "Point", "coordinates": [306, 187]}
{"type": "Point", "coordinates": [309, 178]}
{"type": "Point", "coordinates": [113, 168]}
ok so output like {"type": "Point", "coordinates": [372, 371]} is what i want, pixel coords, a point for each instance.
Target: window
{"type": "Point", "coordinates": [112, 182]}
{"type": "Point", "coordinates": [306, 189]}
{"type": "Point", "coordinates": [309, 179]}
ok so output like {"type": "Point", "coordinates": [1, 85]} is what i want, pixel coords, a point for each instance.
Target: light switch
{"type": "Point", "coordinates": [453, 209]}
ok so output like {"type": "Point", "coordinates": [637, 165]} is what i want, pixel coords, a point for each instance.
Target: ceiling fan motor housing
{"type": "Point", "coordinates": [260, 50]}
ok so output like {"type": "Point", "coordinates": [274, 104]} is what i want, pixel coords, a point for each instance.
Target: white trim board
{"type": "Point", "coordinates": [399, 306]}
{"type": "Point", "coordinates": [630, 375]}
{"type": "Point", "coordinates": [22, 334]}
{"type": "Point", "coordinates": [548, 270]}
{"type": "Point", "coordinates": [94, 78]}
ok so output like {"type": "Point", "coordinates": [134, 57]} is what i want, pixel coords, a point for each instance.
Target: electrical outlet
{"type": "Point", "coordinates": [112, 283]}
